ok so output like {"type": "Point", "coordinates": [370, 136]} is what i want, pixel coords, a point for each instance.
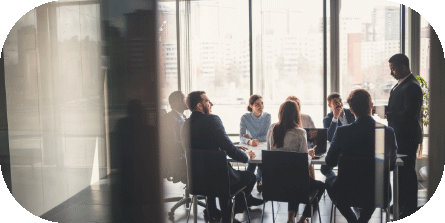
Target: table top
{"type": "Point", "coordinates": [263, 146]}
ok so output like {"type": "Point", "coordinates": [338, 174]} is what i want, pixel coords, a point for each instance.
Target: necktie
{"type": "Point", "coordinates": [394, 87]}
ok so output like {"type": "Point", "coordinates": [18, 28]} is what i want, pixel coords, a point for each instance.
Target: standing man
{"type": "Point", "coordinates": [338, 117]}
{"type": "Point", "coordinates": [205, 131]}
{"type": "Point", "coordinates": [405, 102]}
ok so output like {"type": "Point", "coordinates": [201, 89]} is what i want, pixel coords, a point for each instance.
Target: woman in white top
{"type": "Point", "coordinates": [306, 120]}
{"type": "Point", "coordinates": [288, 135]}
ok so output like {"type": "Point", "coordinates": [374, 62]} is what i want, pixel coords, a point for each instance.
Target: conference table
{"type": "Point", "coordinates": [320, 161]}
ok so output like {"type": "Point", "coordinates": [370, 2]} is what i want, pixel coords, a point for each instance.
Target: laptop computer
{"type": "Point", "coordinates": [317, 139]}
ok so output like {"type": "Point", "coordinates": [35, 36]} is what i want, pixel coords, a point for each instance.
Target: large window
{"type": "Point", "coordinates": [288, 56]}
{"type": "Point", "coordinates": [369, 36]}
{"type": "Point", "coordinates": [287, 52]}
{"type": "Point", "coordinates": [219, 42]}
{"type": "Point", "coordinates": [425, 68]}
{"type": "Point", "coordinates": [167, 49]}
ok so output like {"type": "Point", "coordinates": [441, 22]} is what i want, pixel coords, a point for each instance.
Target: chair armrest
{"type": "Point", "coordinates": [237, 192]}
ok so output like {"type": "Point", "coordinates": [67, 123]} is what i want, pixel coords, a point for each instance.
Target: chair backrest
{"type": "Point", "coordinates": [285, 176]}
{"type": "Point", "coordinates": [208, 173]}
{"type": "Point", "coordinates": [356, 181]}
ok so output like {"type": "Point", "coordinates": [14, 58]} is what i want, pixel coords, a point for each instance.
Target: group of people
{"type": "Point", "coordinates": [349, 131]}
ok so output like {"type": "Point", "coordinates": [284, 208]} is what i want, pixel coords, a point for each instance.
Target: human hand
{"type": "Point", "coordinates": [311, 153]}
{"type": "Point", "coordinates": [242, 148]}
{"type": "Point", "coordinates": [246, 136]}
{"type": "Point", "coordinates": [254, 142]}
{"type": "Point", "coordinates": [337, 111]}
{"type": "Point", "coordinates": [251, 154]}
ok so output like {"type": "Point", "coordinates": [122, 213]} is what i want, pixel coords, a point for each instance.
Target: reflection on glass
{"type": "Point", "coordinates": [167, 50]}
{"type": "Point", "coordinates": [55, 110]}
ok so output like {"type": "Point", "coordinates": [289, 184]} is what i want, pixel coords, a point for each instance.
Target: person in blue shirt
{"type": "Point", "coordinates": [338, 117]}
{"type": "Point", "coordinates": [253, 130]}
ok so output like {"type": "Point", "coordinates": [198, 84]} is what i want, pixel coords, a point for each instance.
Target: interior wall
{"type": "Point", "coordinates": [436, 156]}
{"type": "Point", "coordinates": [55, 103]}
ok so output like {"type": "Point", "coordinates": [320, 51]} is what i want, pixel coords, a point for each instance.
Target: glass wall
{"type": "Point", "coordinates": [55, 104]}
{"type": "Point", "coordinates": [288, 55]}
{"type": "Point", "coordinates": [369, 36]}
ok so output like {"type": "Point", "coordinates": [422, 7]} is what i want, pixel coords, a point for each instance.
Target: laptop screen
{"type": "Point", "coordinates": [318, 138]}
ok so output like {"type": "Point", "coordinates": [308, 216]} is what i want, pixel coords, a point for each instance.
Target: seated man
{"type": "Point", "coordinates": [172, 146]}
{"type": "Point", "coordinates": [204, 130]}
{"type": "Point", "coordinates": [354, 140]}
{"type": "Point", "coordinates": [338, 117]}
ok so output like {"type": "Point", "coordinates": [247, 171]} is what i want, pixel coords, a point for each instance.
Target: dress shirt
{"type": "Point", "coordinates": [400, 81]}
{"type": "Point", "coordinates": [180, 114]}
{"type": "Point", "coordinates": [342, 119]}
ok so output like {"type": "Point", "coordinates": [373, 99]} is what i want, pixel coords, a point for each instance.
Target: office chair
{"type": "Point", "coordinates": [208, 175]}
{"type": "Point", "coordinates": [175, 174]}
{"type": "Point", "coordinates": [283, 179]}
{"type": "Point", "coordinates": [358, 183]}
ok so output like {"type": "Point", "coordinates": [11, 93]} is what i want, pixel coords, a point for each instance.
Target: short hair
{"type": "Point", "coordinates": [193, 99]}
{"type": "Point", "coordinates": [252, 100]}
{"type": "Point", "coordinates": [333, 95]}
{"type": "Point", "coordinates": [175, 96]}
{"type": "Point", "coordinates": [294, 99]}
{"type": "Point", "coordinates": [360, 102]}
{"type": "Point", "coordinates": [399, 59]}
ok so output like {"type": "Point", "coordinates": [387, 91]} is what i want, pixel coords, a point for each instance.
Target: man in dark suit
{"type": "Point", "coordinates": [172, 146]}
{"type": "Point", "coordinates": [205, 131]}
{"type": "Point", "coordinates": [338, 117]}
{"type": "Point", "coordinates": [403, 115]}
{"type": "Point", "coordinates": [356, 139]}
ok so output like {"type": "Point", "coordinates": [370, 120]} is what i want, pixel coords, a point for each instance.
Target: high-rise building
{"type": "Point", "coordinates": [386, 21]}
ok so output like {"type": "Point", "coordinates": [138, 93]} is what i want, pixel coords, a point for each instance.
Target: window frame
{"type": "Point", "coordinates": [334, 75]}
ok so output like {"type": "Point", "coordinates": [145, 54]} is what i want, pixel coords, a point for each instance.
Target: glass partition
{"type": "Point", "coordinates": [54, 82]}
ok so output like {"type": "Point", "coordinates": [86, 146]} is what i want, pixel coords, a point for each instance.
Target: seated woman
{"type": "Point", "coordinates": [306, 120]}
{"type": "Point", "coordinates": [253, 130]}
{"type": "Point", "coordinates": [288, 135]}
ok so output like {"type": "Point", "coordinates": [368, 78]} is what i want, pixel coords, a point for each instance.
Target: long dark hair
{"type": "Point", "coordinates": [289, 117]}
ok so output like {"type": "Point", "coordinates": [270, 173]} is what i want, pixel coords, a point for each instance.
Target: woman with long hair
{"type": "Point", "coordinates": [288, 135]}
{"type": "Point", "coordinates": [253, 130]}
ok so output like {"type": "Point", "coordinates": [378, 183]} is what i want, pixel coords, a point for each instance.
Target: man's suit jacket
{"type": "Point", "coordinates": [358, 139]}
{"type": "Point", "coordinates": [405, 102]}
{"type": "Point", "coordinates": [174, 124]}
{"type": "Point", "coordinates": [206, 132]}
{"type": "Point", "coordinates": [332, 126]}
{"type": "Point", "coordinates": [174, 162]}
